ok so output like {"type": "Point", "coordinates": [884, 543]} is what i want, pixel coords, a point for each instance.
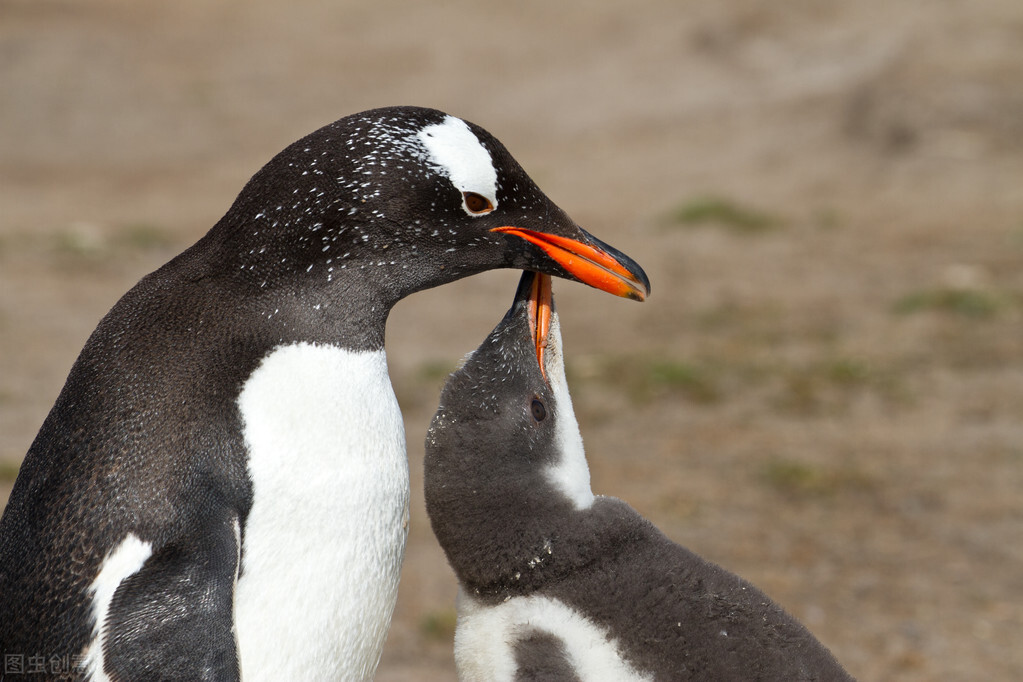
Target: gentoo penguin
{"type": "Point", "coordinates": [559, 584]}
{"type": "Point", "coordinates": [221, 489]}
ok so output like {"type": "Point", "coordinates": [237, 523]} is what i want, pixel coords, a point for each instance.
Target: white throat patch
{"type": "Point", "coordinates": [456, 151]}
{"type": "Point", "coordinates": [571, 474]}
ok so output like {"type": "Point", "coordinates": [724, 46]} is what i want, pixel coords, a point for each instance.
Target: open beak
{"type": "Point", "coordinates": [539, 313]}
{"type": "Point", "coordinates": [591, 262]}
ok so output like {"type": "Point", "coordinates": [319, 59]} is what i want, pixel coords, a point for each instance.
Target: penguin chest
{"type": "Point", "coordinates": [324, 539]}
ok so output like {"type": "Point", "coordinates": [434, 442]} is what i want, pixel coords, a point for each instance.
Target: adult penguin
{"type": "Point", "coordinates": [221, 489]}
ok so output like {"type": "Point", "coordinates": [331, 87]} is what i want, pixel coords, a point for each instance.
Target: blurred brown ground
{"type": "Point", "coordinates": [824, 393]}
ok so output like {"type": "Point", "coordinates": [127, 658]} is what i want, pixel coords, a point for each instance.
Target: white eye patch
{"type": "Point", "coordinates": [458, 154]}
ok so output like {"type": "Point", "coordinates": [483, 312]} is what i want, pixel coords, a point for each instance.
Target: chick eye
{"type": "Point", "coordinates": [477, 203]}
{"type": "Point", "coordinates": [538, 410]}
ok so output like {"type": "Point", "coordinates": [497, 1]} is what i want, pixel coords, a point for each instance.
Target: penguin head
{"type": "Point", "coordinates": [411, 198]}
{"type": "Point", "coordinates": [505, 426]}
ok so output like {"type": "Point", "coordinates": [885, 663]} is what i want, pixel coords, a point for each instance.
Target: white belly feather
{"type": "Point", "coordinates": [326, 533]}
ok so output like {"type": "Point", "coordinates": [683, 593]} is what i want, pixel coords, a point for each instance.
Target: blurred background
{"type": "Point", "coordinates": [824, 392]}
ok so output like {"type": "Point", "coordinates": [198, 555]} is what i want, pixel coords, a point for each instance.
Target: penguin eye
{"type": "Point", "coordinates": [538, 410]}
{"type": "Point", "coordinates": [477, 203]}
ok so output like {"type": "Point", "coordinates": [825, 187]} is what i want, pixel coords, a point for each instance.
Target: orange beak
{"type": "Point", "coordinates": [592, 264]}
{"type": "Point", "coordinates": [540, 298]}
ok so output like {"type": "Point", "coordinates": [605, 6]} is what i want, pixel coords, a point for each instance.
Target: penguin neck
{"type": "Point", "coordinates": [528, 541]}
{"type": "Point", "coordinates": [341, 300]}
{"type": "Point", "coordinates": [354, 322]}
{"type": "Point", "coordinates": [499, 549]}
{"type": "Point", "coordinates": [505, 534]}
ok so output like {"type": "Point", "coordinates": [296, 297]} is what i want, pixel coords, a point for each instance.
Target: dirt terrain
{"type": "Point", "coordinates": [824, 392]}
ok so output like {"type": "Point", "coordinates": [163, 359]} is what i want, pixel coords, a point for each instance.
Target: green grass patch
{"type": "Point", "coordinates": [432, 371]}
{"type": "Point", "coordinates": [828, 385]}
{"type": "Point", "coordinates": [9, 470]}
{"type": "Point", "coordinates": [143, 237]}
{"type": "Point", "coordinates": [799, 480]}
{"type": "Point", "coordinates": [694, 381]}
{"type": "Point", "coordinates": [88, 242]}
{"type": "Point", "coordinates": [973, 303]}
{"type": "Point", "coordinates": [715, 210]}
{"type": "Point", "coordinates": [846, 372]}
{"type": "Point", "coordinates": [79, 242]}
{"type": "Point", "coordinates": [647, 378]}
{"type": "Point", "coordinates": [439, 625]}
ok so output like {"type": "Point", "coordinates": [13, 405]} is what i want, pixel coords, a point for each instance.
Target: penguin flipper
{"type": "Point", "coordinates": [173, 619]}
